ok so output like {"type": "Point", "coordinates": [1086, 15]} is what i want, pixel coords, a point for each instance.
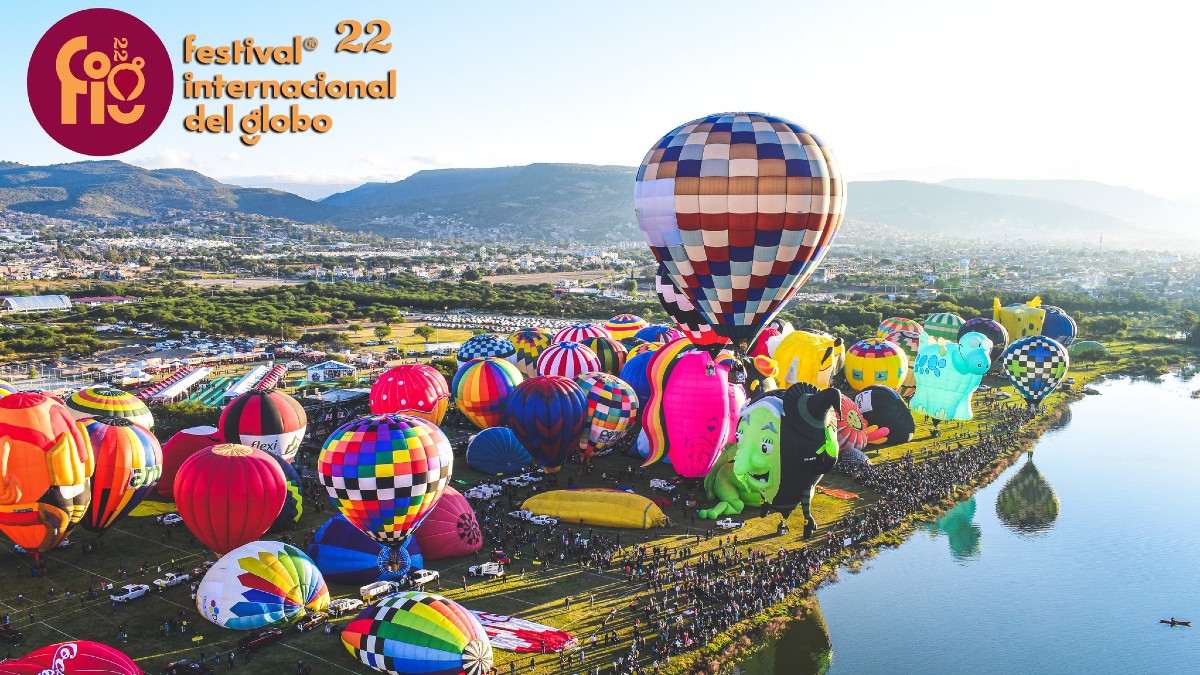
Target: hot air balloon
{"type": "Point", "coordinates": [46, 459]}
{"type": "Point", "coordinates": [1059, 326]}
{"type": "Point", "coordinates": [854, 432]}
{"type": "Point", "coordinates": [481, 390]}
{"type": "Point", "coordinates": [658, 333]}
{"type": "Point", "coordinates": [6, 389]}
{"type": "Point", "coordinates": [1087, 346]}
{"type": "Point", "coordinates": [128, 463]}
{"type": "Point", "coordinates": [450, 530]}
{"type": "Point", "coordinates": [67, 658]}
{"type": "Point", "coordinates": [1027, 504]}
{"type": "Point", "coordinates": [807, 356]}
{"type": "Point", "coordinates": [962, 533]}
{"type": "Point", "coordinates": [1035, 365]}
{"type": "Point", "coordinates": [486, 346]}
{"type": "Point", "coordinates": [415, 633]}
{"type": "Point", "coordinates": [268, 420]}
{"type": "Point", "coordinates": [177, 449]}
{"type": "Point", "coordinates": [687, 416]}
{"type": "Point", "coordinates": [741, 208]}
{"type": "Point", "coordinates": [416, 389]}
{"type": "Point", "coordinates": [109, 402]}
{"type": "Point", "coordinates": [883, 409]}
{"type": "Point", "coordinates": [547, 413]}
{"type": "Point", "coordinates": [1020, 320]}
{"type": "Point", "coordinates": [229, 495]}
{"type": "Point", "coordinates": [259, 584]}
{"type": "Point", "coordinates": [943, 325]}
{"type": "Point", "coordinates": [577, 332]}
{"type": "Point", "coordinates": [681, 309]}
{"type": "Point", "coordinates": [992, 331]}
{"type": "Point", "coordinates": [497, 451]}
{"type": "Point", "coordinates": [895, 323]}
{"type": "Point", "coordinates": [610, 353]}
{"type": "Point", "coordinates": [947, 374]}
{"type": "Point", "coordinates": [642, 349]}
{"type": "Point", "coordinates": [567, 359]}
{"type": "Point", "coordinates": [612, 408]}
{"type": "Point", "coordinates": [385, 473]}
{"type": "Point", "coordinates": [635, 375]}
{"type": "Point", "coordinates": [529, 343]}
{"type": "Point", "coordinates": [293, 502]}
{"type": "Point", "coordinates": [346, 555]}
{"type": "Point", "coordinates": [624, 326]}
{"type": "Point", "coordinates": [761, 347]}
{"type": "Point", "coordinates": [910, 342]}
{"type": "Point", "coordinates": [875, 361]}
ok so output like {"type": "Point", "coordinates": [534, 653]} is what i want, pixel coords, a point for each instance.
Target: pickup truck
{"type": "Point", "coordinates": [129, 592]}
{"type": "Point", "coordinates": [171, 579]}
{"type": "Point", "coordinates": [419, 579]}
{"type": "Point", "coordinates": [729, 524]}
{"type": "Point", "coordinates": [661, 485]}
{"type": "Point", "coordinates": [489, 569]}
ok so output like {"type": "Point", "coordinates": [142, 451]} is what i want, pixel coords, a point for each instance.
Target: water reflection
{"type": "Point", "coordinates": [1027, 504]}
{"type": "Point", "coordinates": [961, 531]}
{"type": "Point", "coordinates": [803, 648]}
{"type": "Point", "coordinates": [1063, 421]}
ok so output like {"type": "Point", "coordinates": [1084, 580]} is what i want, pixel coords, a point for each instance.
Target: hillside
{"type": "Point", "coordinates": [112, 189]}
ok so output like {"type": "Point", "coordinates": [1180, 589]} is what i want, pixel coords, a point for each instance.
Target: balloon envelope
{"type": "Point", "coordinates": [943, 325]}
{"type": "Point", "coordinates": [993, 331]}
{"type": "Point", "coordinates": [487, 346]}
{"type": "Point", "coordinates": [293, 502]}
{"type": "Point", "coordinates": [182, 445]}
{"type": "Point", "coordinates": [875, 361]}
{"type": "Point", "coordinates": [346, 555]}
{"type": "Point", "coordinates": [580, 331]}
{"type": "Point", "coordinates": [687, 417]}
{"type": "Point", "coordinates": [109, 402]}
{"type": "Point", "coordinates": [269, 420]}
{"type": "Point", "coordinates": [450, 530]}
{"type": "Point", "coordinates": [128, 463]}
{"type": "Point", "coordinates": [1059, 326]}
{"type": "Point", "coordinates": [1035, 365]}
{"type": "Point", "coordinates": [635, 375]}
{"type": "Point", "coordinates": [417, 633]}
{"type": "Point", "coordinates": [497, 451]}
{"type": "Point", "coordinates": [612, 408]}
{"type": "Point", "coordinates": [259, 584]}
{"type": "Point", "coordinates": [229, 495]}
{"type": "Point", "coordinates": [413, 389]}
{"type": "Point", "coordinates": [883, 408]}
{"type": "Point", "coordinates": [547, 413]}
{"type": "Point", "coordinates": [77, 656]}
{"type": "Point", "coordinates": [567, 359]}
{"type": "Point", "coordinates": [681, 309]}
{"type": "Point", "coordinates": [608, 351]}
{"type": "Point", "coordinates": [481, 390]}
{"type": "Point", "coordinates": [624, 326]}
{"type": "Point", "coordinates": [529, 343]}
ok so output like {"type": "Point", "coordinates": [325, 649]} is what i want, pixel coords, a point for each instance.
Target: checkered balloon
{"type": "Point", "coordinates": [485, 346]}
{"type": "Point", "coordinates": [1035, 365]}
{"type": "Point", "coordinates": [612, 408]}
{"type": "Point", "coordinates": [680, 308]}
{"type": "Point", "coordinates": [386, 472]}
{"type": "Point", "coordinates": [741, 208]}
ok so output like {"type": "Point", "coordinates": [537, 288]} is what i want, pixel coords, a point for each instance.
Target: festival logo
{"type": "Point", "coordinates": [100, 82]}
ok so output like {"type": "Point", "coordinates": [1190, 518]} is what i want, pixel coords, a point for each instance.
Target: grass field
{"type": "Point", "coordinates": [539, 597]}
{"type": "Point", "coordinates": [533, 279]}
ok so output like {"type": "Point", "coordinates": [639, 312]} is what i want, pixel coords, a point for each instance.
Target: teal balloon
{"type": "Point", "coordinates": [948, 373]}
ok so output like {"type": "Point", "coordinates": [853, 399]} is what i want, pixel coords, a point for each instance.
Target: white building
{"type": "Point", "coordinates": [330, 370]}
{"type": "Point", "coordinates": [36, 303]}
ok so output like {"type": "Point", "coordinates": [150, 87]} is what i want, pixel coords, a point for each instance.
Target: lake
{"type": "Point", "coordinates": [1064, 564]}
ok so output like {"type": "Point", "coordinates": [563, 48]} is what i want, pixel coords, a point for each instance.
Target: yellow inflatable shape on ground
{"type": "Point", "coordinates": [808, 356]}
{"type": "Point", "coordinates": [598, 507]}
{"type": "Point", "coordinates": [1020, 320]}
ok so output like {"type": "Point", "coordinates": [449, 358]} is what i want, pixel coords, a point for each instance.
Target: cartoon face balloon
{"type": "Point", "coordinates": [948, 373]}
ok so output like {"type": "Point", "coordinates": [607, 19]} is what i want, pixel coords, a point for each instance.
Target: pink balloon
{"type": "Point", "coordinates": [688, 416]}
{"type": "Point", "coordinates": [450, 530]}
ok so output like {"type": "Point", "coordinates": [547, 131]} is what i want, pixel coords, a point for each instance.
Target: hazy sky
{"type": "Point", "coordinates": [925, 90]}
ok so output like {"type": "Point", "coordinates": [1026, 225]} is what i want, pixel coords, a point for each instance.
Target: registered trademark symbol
{"type": "Point", "coordinates": [310, 43]}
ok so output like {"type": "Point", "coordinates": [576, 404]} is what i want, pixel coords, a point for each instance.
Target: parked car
{"type": "Point", "coordinates": [729, 524]}
{"type": "Point", "coordinates": [515, 481]}
{"type": "Point", "coordinates": [523, 514]}
{"type": "Point", "coordinates": [488, 569]}
{"type": "Point", "coordinates": [66, 543]}
{"type": "Point", "coordinates": [483, 491]}
{"type": "Point", "coordinates": [260, 638]}
{"type": "Point", "coordinates": [343, 605]}
{"type": "Point", "coordinates": [129, 592]}
{"type": "Point", "coordinates": [544, 520]}
{"type": "Point", "coordinates": [312, 620]}
{"type": "Point", "coordinates": [661, 485]}
{"type": "Point", "coordinates": [186, 667]}
{"type": "Point", "coordinates": [10, 634]}
{"type": "Point", "coordinates": [374, 591]}
{"type": "Point", "coordinates": [169, 519]}
{"type": "Point", "coordinates": [171, 579]}
{"type": "Point", "coordinates": [199, 570]}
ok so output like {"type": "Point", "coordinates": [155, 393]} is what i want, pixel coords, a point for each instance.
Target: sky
{"type": "Point", "coordinates": [921, 90]}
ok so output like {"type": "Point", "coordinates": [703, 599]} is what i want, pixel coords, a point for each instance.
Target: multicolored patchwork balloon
{"type": "Point", "coordinates": [895, 323]}
{"type": "Point", "coordinates": [386, 472]}
{"type": "Point", "coordinates": [263, 583]}
{"type": "Point", "coordinates": [481, 390]}
{"type": "Point", "coordinates": [547, 413]}
{"type": "Point", "coordinates": [577, 332]}
{"type": "Point", "coordinates": [875, 361]}
{"type": "Point", "coordinates": [611, 353]}
{"type": "Point", "coordinates": [109, 402]}
{"type": "Point", "coordinates": [486, 346]}
{"type": "Point", "coordinates": [612, 408]}
{"type": "Point", "coordinates": [128, 463]}
{"type": "Point", "coordinates": [567, 359]}
{"type": "Point", "coordinates": [680, 308]}
{"type": "Point", "coordinates": [943, 325]}
{"type": "Point", "coordinates": [264, 419]}
{"type": "Point", "coordinates": [412, 389]}
{"type": "Point", "coordinates": [624, 326]}
{"type": "Point", "coordinates": [741, 208]}
{"type": "Point", "coordinates": [529, 343]}
{"type": "Point", "coordinates": [1035, 365]}
{"type": "Point", "coordinates": [419, 633]}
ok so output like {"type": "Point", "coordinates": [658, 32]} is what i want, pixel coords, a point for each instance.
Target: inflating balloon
{"type": "Point", "coordinates": [1035, 365]}
{"type": "Point", "coordinates": [567, 359]}
{"type": "Point", "coordinates": [529, 343]}
{"type": "Point", "coordinates": [612, 408]}
{"type": "Point", "coordinates": [687, 416]}
{"type": "Point", "coordinates": [450, 530]}
{"type": "Point", "coordinates": [1020, 320]}
{"type": "Point", "coordinates": [580, 331]}
{"type": "Point", "coordinates": [948, 373]}
{"type": "Point", "coordinates": [854, 432]}
{"type": "Point", "coordinates": [229, 495]}
{"type": "Point", "coordinates": [610, 353]}
{"type": "Point", "coordinates": [943, 325]}
{"type": "Point", "coordinates": [128, 464]}
{"type": "Point", "coordinates": [67, 658]}
{"type": "Point", "coordinates": [741, 208]}
{"type": "Point", "coordinates": [346, 555]}
{"type": "Point", "coordinates": [293, 502]}
{"type": "Point", "coordinates": [486, 346]}
{"type": "Point", "coordinates": [598, 507]}
{"type": "Point", "coordinates": [412, 389]}
{"type": "Point", "coordinates": [547, 413]}
{"type": "Point", "coordinates": [416, 632]}
{"type": "Point", "coordinates": [680, 308]}
{"type": "Point", "coordinates": [268, 420]}
{"type": "Point", "coordinates": [260, 584]}
{"type": "Point", "coordinates": [46, 459]}
{"type": "Point", "coordinates": [481, 390]}
{"type": "Point", "coordinates": [6, 388]}
{"type": "Point", "coordinates": [385, 473]}
{"type": "Point", "coordinates": [884, 410]}
{"type": "Point", "coordinates": [624, 326]}
{"type": "Point", "coordinates": [875, 361]}
{"type": "Point", "coordinates": [182, 445]}
{"type": "Point", "coordinates": [109, 402]}
{"type": "Point", "coordinates": [497, 451]}
{"type": "Point", "coordinates": [636, 376]}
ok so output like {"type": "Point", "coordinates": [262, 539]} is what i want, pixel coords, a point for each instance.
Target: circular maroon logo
{"type": "Point", "coordinates": [100, 82]}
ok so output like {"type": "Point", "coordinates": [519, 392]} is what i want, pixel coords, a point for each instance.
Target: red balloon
{"type": "Point", "coordinates": [80, 656]}
{"type": "Point", "coordinates": [450, 530]}
{"type": "Point", "coordinates": [176, 451]}
{"type": "Point", "coordinates": [229, 495]}
{"type": "Point", "coordinates": [413, 389]}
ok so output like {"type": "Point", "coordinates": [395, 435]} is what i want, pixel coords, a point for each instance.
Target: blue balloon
{"type": "Point", "coordinates": [1059, 326]}
{"type": "Point", "coordinates": [653, 333]}
{"type": "Point", "coordinates": [497, 450]}
{"type": "Point", "coordinates": [345, 554]}
{"type": "Point", "coordinates": [636, 375]}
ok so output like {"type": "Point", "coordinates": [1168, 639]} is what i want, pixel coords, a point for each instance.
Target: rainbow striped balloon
{"type": "Point", "coordinates": [109, 402]}
{"type": "Point", "coordinates": [579, 331]}
{"type": "Point", "coordinates": [129, 461]}
{"type": "Point", "coordinates": [529, 343]}
{"type": "Point", "coordinates": [612, 408]}
{"type": "Point", "coordinates": [567, 359]}
{"type": "Point", "coordinates": [263, 583]}
{"type": "Point", "coordinates": [481, 390]}
{"type": "Point", "coordinates": [610, 352]}
{"type": "Point", "coordinates": [417, 633]}
{"type": "Point", "coordinates": [624, 326]}
{"type": "Point", "coordinates": [6, 389]}
{"type": "Point", "coordinates": [895, 323]}
{"type": "Point", "coordinates": [642, 349]}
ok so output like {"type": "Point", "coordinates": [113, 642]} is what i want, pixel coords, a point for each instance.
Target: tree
{"type": "Point", "coordinates": [355, 327]}
{"type": "Point", "coordinates": [382, 332]}
{"type": "Point", "coordinates": [630, 284]}
{"type": "Point", "coordinates": [471, 275]}
{"type": "Point", "coordinates": [170, 418]}
{"type": "Point", "coordinates": [425, 332]}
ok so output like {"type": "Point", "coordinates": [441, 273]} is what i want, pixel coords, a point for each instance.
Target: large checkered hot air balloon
{"type": "Point", "coordinates": [415, 633]}
{"type": "Point", "coordinates": [1035, 365]}
{"type": "Point", "coordinates": [386, 472]}
{"type": "Point", "coordinates": [262, 583]}
{"type": "Point", "coordinates": [229, 495]}
{"type": "Point", "coordinates": [612, 408]}
{"type": "Point", "coordinates": [109, 402]}
{"type": "Point", "coordinates": [481, 390]}
{"type": "Point", "coordinates": [741, 208]}
{"type": "Point", "coordinates": [567, 359]}
{"type": "Point", "coordinates": [128, 463]}
{"type": "Point", "coordinates": [546, 413]}
{"type": "Point", "coordinates": [486, 345]}
{"type": "Point", "coordinates": [347, 555]}
{"type": "Point", "coordinates": [265, 419]}
{"type": "Point", "coordinates": [416, 389]}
